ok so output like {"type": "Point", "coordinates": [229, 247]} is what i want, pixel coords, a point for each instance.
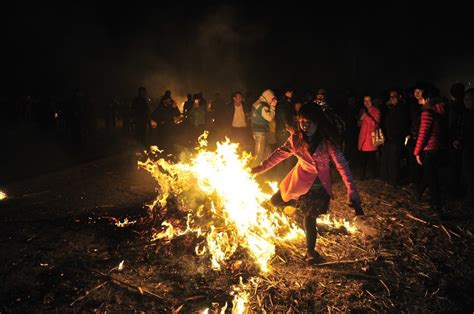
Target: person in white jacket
{"type": "Point", "coordinates": [263, 111]}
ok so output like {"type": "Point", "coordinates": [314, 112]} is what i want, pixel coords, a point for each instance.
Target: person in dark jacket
{"type": "Point", "coordinates": [164, 119]}
{"type": "Point", "coordinates": [455, 127]}
{"type": "Point", "coordinates": [467, 144]}
{"type": "Point", "coordinates": [430, 143]}
{"type": "Point", "coordinates": [283, 115]}
{"type": "Point", "coordinates": [395, 128]}
{"type": "Point", "coordinates": [234, 121]}
{"type": "Point", "coordinates": [140, 113]}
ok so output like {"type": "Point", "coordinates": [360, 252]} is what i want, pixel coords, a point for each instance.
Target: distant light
{"type": "Point", "coordinates": [3, 195]}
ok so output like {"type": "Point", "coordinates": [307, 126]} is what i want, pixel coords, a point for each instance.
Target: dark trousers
{"type": "Point", "coordinates": [414, 168]}
{"type": "Point", "coordinates": [456, 184]}
{"type": "Point", "coordinates": [468, 171]}
{"type": "Point", "coordinates": [368, 164]}
{"type": "Point", "coordinates": [313, 203]}
{"type": "Point", "coordinates": [141, 133]}
{"type": "Point", "coordinates": [390, 162]}
{"type": "Point", "coordinates": [431, 162]}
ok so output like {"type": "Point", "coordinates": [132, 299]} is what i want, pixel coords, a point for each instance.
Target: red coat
{"type": "Point", "coordinates": [367, 127]}
{"type": "Point", "coordinates": [432, 130]}
{"type": "Point", "coordinates": [309, 167]}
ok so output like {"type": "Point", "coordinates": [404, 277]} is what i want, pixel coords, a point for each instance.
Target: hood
{"type": "Point", "coordinates": [268, 96]}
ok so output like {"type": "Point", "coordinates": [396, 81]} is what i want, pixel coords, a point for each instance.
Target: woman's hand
{"type": "Point", "coordinates": [418, 160]}
{"type": "Point", "coordinates": [256, 170]}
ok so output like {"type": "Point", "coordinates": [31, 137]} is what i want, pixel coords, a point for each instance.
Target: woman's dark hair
{"type": "Point", "coordinates": [430, 93]}
{"type": "Point", "coordinates": [325, 131]}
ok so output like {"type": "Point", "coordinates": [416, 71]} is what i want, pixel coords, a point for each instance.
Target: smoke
{"type": "Point", "coordinates": [113, 53]}
{"type": "Point", "coordinates": [206, 56]}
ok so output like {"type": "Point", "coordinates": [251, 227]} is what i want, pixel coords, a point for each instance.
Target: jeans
{"type": "Point", "coordinates": [261, 147]}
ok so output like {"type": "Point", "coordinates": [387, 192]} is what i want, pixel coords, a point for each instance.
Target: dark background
{"type": "Point", "coordinates": [111, 49]}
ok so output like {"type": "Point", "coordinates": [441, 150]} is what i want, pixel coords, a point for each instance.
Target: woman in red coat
{"type": "Point", "coordinates": [430, 144]}
{"type": "Point", "coordinates": [369, 123]}
{"type": "Point", "coordinates": [308, 185]}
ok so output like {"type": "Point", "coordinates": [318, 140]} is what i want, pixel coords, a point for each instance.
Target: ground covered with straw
{"type": "Point", "coordinates": [63, 249]}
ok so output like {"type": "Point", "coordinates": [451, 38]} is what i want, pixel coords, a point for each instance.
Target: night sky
{"type": "Point", "coordinates": [112, 49]}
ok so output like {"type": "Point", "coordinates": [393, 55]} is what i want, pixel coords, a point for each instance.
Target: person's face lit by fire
{"type": "Point", "coordinates": [367, 102]}
{"type": "Point", "coordinates": [308, 126]}
{"type": "Point", "coordinates": [237, 100]}
{"type": "Point", "coordinates": [417, 93]}
{"type": "Point", "coordinates": [320, 98]}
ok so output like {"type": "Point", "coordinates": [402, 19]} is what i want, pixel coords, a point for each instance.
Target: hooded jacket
{"type": "Point", "coordinates": [263, 112]}
{"type": "Point", "coordinates": [433, 131]}
{"type": "Point", "coordinates": [309, 167]}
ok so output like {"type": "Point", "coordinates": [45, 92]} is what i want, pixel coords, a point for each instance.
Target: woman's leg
{"type": "Point", "coordinates": [311, 234]}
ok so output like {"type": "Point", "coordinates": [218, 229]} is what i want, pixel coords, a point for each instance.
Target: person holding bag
{"type": "Point", "coordinates": [370, 137]}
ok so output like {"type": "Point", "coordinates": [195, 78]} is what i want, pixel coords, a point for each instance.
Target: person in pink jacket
{"type": "Point", "coordinates": [308, 185]}
{"type": "Point", "coordinates": [369, 123]}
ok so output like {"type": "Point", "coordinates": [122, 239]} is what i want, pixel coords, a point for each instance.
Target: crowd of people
{"type": "Point", "coordinates": [414, 138]}
{"type": "Point", "coordinates": [403, 137]}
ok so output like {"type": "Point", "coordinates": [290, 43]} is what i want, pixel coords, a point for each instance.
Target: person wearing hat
{"type": "Point", "coordinates": [263, 111]}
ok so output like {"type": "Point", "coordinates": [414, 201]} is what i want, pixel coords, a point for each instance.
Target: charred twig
{"type": "Point", "coordinates": [385, 286]}
{"type": "Point", "coordinates": [373, 296]}
{"type": "Point", "coordinates": [447, 233]}
{"type": "Point", "coordinates": [129, 286]}
{"type": "Point", "coordinates": [348, 261]}
{"type": "Point", "coordinates": [88, 292]}
{"type": "Point", "coordinates": [417, 219]}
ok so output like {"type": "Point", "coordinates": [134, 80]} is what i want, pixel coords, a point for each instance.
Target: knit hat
{"type": "Point", "coordinates": [268, 95]}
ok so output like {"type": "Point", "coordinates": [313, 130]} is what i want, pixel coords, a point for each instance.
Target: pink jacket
{"type": "Point", "coordinates": [309, 167]}
{"type": "Point", "coordinates": [367, 127]}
